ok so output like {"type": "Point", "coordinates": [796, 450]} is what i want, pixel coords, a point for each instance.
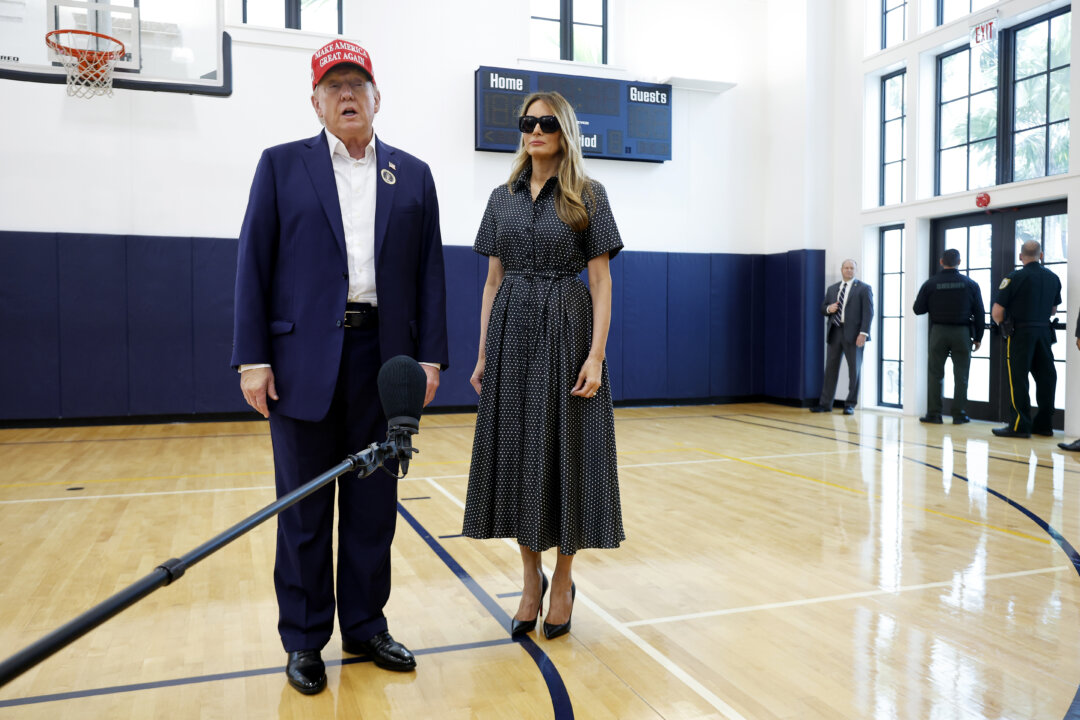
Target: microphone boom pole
{"type": "Point", "coordinates": [365, 462]}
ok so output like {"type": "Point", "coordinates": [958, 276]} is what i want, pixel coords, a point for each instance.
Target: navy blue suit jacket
{"type": "Point", "coordinates": [292, 275]}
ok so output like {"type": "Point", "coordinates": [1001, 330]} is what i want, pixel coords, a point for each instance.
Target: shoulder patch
{"type": "Point", "coordinates": [1004, 284]}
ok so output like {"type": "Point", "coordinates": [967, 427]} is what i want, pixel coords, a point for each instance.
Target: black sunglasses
{"type": "Point", "coordinates": [548, 123]}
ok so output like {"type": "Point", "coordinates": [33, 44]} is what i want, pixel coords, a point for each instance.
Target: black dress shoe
{"type": "Point", "coordinates": [306, 671]}
{"type": "Point", "coordinates": [820, 408]}
{"type": "Point", "coordinates": [1009, 432]}
{"type": "Point", "coordinates": [553, 631]}
{"type": "Point", "coordinates": [1044, 433]}
{"type": "Point", "coordinates": [849, 410]}
{"type": "Point", "coordinates": [384, 651]}
{"type": "Point", "coordinates": [522, 627]}
{"type": "Point", "coordinates": [1074, 446]}
{"type": "Point", "coordinates": [933, 418]}
{"type": "Point", "coordinates": [960, 419]}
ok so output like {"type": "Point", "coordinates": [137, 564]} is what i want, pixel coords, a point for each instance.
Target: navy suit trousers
{"type": "Point", "coordinates": [367, 510]}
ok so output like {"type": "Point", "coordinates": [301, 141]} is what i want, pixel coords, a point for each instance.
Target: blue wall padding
{"type": "Point", "coordinates": [216, 385]}
{"type": "Point", "coordinates": [160, 332]}
{"type": "Point", "coordinates": [808, 270]}
{"type": "Point", "coordinates": [736, 318]}
{"type": "Point", "coordinates": [93, 325]}
{"type": "Point", "coordinates": [614, 349]}
{"type": "Point", "coordinates": [462, 324]}
{"type": "Point", "coordinates": [688, 326]}
{"type": "Point", "coordinates": [29, 318]}
{"type": "Point", "coordinates": [644, 354]}
{"type": "Point", "coordinates": [110, 326]}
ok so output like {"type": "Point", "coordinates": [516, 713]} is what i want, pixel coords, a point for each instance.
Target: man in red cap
{"type": "Point", "coordinates": [339, 268]}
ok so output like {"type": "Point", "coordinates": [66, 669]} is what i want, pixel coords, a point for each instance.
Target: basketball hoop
{"type": "Point", "coordinates": [88, 59]}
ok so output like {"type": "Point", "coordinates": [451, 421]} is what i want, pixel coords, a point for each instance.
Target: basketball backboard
{"type": "Point", "coordinates": [170, 45]}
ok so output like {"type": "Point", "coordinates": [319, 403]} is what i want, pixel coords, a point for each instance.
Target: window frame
{"type": "Point", "coordinates": [1004, 171]}
{"type": "Point", "coordinates": [293, 21]}
{"type": "Point", "coordinates": [939, 60]}
{"type": "Point", "coordinates": [903, 139]}
{"type": "Point", "coordinates": [566, 29]}
{"type": "Point", "coordinates": [881, 317]}
{"type": "Point", "coordinates": [1008, 50]}
{"type": "Point", "coordinates": [885, 10]}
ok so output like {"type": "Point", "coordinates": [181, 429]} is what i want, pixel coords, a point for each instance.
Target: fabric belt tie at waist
{"type": "Point", "coordinates": [549, 274]}
{"type": "Point", "coordinates": [360, 315]}
{"type": "Point", "coordinates": [1045, 324]}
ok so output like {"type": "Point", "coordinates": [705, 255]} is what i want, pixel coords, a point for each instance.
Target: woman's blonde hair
{"type": "Point", "coordinates": [572, 180]}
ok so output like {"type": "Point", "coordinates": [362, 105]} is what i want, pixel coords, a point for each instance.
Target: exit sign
{"type": "Point", "coordinates": [983, 34]}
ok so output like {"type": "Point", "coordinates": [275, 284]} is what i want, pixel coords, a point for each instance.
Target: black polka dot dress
{"type": "Point", "coordinates": [543, 465]}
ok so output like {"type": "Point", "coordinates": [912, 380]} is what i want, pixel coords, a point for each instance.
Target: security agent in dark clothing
{"type": "Point", "coordinates": [1075, 444]}
{"type": "Point", "coordinates": [956, 309]}
{"type": "Point", "coordinates": [1025, 302]}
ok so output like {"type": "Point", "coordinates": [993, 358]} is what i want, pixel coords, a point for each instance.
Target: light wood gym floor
{"type": "Point", "coordinates": [778, 564]}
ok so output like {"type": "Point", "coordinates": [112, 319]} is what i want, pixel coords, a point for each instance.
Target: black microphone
{"type": "Point", "coordinates": [402, 386]}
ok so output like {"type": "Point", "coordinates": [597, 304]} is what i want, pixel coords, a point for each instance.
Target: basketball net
{"type": "Point", "coordinates": [88, 59]}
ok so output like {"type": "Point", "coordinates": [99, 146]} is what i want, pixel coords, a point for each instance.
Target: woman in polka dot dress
{"type": "Point", "coordinates": [543, 466]}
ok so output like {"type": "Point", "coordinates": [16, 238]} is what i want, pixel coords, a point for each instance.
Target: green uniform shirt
{"type": "Point", "coordinates": [1029, 294]}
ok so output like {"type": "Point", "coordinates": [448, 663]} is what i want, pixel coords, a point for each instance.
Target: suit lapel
{"type": "Point", "coordinates": [321, 171]}
{"type": "Point", "coordinates": [384, 194]}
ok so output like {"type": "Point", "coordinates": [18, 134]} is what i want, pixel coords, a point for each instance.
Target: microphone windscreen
{"type": "Point", "coordinates": [402, 386]}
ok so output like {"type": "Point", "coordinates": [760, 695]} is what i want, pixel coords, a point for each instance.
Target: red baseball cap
{"type": "Point", "coordinates": [333, 54]}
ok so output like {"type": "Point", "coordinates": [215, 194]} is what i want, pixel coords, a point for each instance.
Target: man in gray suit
{"type": "Point", "coordinates": [849, 307]}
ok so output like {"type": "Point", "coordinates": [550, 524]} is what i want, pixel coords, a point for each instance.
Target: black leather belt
{"type": "Point", "coordinates": [361, 315]}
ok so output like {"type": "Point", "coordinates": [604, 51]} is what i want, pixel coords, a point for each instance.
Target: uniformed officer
{"type": "Point", "coordinates": [956, 309]}
{"type": "Point", "coordinates": [1025, 302]}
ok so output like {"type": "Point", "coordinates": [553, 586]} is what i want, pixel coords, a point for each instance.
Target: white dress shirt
{"type": "Point", "coordinates": [355, 180]}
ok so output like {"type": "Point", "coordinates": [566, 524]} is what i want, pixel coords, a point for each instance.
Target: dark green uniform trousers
{"type": "Point", "coordinates": [946, 340]}
{"type": "Point", "coordinates": [1028, 350]}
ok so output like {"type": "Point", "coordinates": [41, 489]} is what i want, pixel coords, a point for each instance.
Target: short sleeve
{"type": "Point", "coordinates": [1057, 296]}
{"type": "Point", "coordinates": [602, 235]}
{"type": "Point", "coordinates": [1003, 297]}
{"type": "Point", "coordinates": [485, 236]}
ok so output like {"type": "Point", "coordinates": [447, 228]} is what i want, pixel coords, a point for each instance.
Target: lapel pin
{"type": "Point", "coordinates": [392, 166]}
{"type": "Point", "coordinates": [388, 177]}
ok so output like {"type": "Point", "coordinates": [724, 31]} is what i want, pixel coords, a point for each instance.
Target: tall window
{"type": "Point", "coordinates": [322, 16]}
{"type": "Point", "coordinates": [1033, 107]}
{"type": "Point", "coordinates": [569, 30]}
{"type": "Point", "coordinates": [1052, 232]}
{"type": "Point", "coordinates": [892, 138]}
{"type": "Point", "coordinates": [967, 119]}
{"type": "Point", "coordinates": [893, 22]}
{"type": "Point", "coordinates": [949, 10]}
{"type": "Point", "coordinates": [891, 305]}
{"type": "Point", "coordinates": [1041, 98]}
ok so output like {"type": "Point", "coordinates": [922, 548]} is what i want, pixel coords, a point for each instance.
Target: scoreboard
{"type": "Point", "coordinates": [618, 119]}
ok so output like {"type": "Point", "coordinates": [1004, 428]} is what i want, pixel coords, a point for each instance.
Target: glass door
{"type": "Point", "coordinates": [989, 245]}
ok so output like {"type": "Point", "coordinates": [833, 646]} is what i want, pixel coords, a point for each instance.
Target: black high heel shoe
{"type": "Point", "coordinates": [553, 631]}
{"type": "Point", "coordinates": [521, 627]}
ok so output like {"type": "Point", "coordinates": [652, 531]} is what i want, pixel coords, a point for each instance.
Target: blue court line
{"type": "Point", "coordinates": [422, 497]}
{"type": "Point", "coordinates": [1073, 712]}
{"type": "Point", "coordinates": [516, 593]}
{"type": "Point", "coordinates": [449, 537]}
{"type": "Point", "coordinates": [560, 698]}
{"type": "Point", "coordinates": [194, 680]}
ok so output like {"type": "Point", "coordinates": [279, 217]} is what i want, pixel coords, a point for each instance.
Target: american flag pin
{"type": "Point", "coordinates": [392, 166]}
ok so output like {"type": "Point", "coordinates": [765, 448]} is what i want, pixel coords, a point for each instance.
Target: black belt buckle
{"type": "Point", "coordinates": [361, 315]}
